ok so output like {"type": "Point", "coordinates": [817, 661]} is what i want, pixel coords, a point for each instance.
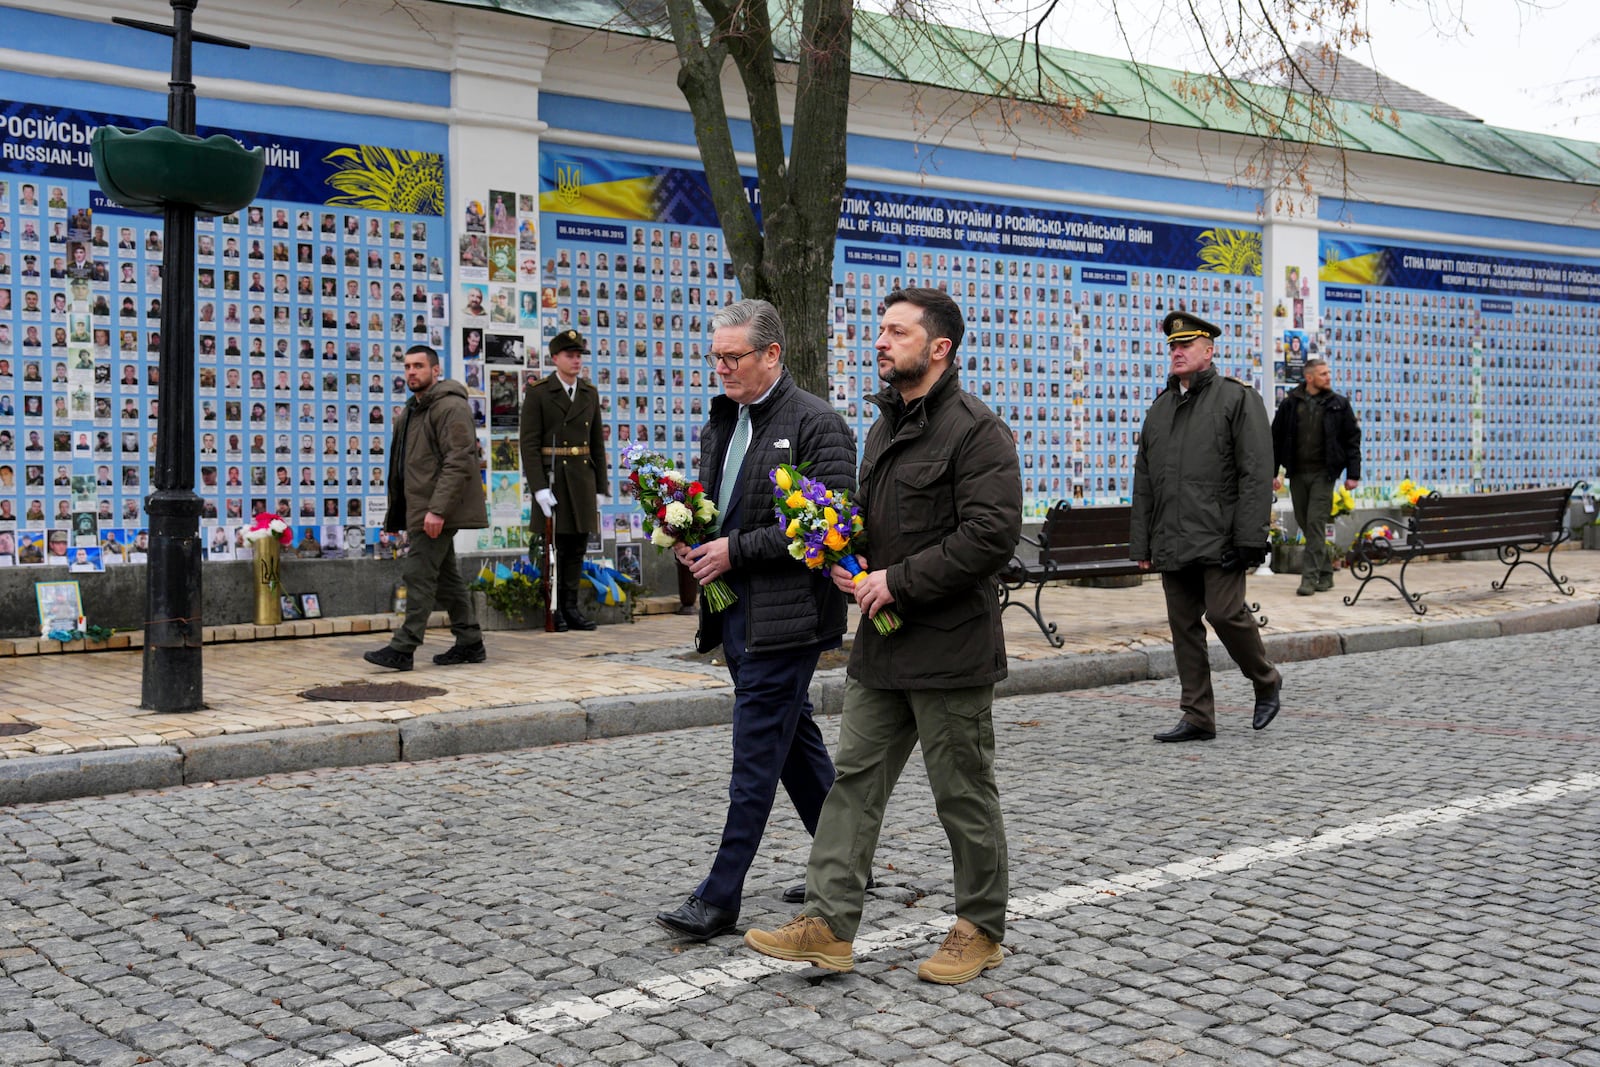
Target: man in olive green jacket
{"type": "Point", "coordinates": [434, 490]}
{"type": "Point", "coordinates": [941, 494]}
{"type": "Point", "coordinates": [1202, 502]}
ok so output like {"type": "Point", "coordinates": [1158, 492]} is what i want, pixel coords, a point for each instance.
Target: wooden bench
{"type": "Point", "coordinates": [1073, 543]}
{"type": "Point", "coordinates": [1514, 524]}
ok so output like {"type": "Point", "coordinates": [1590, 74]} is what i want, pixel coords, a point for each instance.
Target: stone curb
{"type": "Point", "coordinates": [41, 779]}
{"type": "Point", "coordinates": [33, 779]}
{"type": "Point", "coordinates": [458, 733]}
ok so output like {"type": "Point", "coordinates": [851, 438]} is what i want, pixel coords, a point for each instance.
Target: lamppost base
{"type": "Point", "coordinates": [173, 633]}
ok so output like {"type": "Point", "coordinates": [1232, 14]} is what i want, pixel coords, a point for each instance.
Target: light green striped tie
{"type": "Point", "coordinates": [737, 447]}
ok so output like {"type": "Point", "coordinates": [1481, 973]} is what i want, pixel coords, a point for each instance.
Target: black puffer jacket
{"type": "Point", "coordinates": [1341, 436]}
{"type": "Point", "coordinates": [786, 604]}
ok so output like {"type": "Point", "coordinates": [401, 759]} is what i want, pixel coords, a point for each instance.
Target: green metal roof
{"type": "Point", "coordinates": [947, 57]}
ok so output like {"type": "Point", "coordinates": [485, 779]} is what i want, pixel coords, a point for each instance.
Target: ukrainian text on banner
{"type": "Point", "coordinates": [618, 188]}
{"type": "Point", "coordinates": [54, 143]}
{"type": "Point", "coordinates": [1347, 262]}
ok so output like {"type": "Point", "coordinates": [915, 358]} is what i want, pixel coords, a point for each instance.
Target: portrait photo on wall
{"type": "Point", "coordinates": [1295, 354]}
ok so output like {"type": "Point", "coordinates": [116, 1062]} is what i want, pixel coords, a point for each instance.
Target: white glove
{"type": "Point", "coordinates": [547, 502]}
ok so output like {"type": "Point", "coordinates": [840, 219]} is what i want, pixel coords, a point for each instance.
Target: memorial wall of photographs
{"type": "Point", "coordinates": [1069, 355]}
{"type": "Point", "coordinates": [1063, 311]}
{"type": "Point", "coordinates": [1468, 372]}
{"type": "Point", "coordinates": [496, 344]}
{"type": "Point", "coordinates": [304, 303]}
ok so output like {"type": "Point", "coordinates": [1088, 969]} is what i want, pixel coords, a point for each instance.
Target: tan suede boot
{"type": "Point", "coordinates": [805, 939]}
{"type": "Point", "coordinates": [966, 953]}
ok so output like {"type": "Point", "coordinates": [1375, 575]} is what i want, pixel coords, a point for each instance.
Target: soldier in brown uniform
{"type": "Point", "coordinates": [564, 462]}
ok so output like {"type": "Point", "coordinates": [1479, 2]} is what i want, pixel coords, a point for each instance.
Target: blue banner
{"type": "Point", "coordinates": [54, 143]}
{"type": "Point", "coordinates": [915, 220]}
{"type": "Point", "coordinates": [620, 188]}
{"type": "Point", "coordinates": [1457, 271]}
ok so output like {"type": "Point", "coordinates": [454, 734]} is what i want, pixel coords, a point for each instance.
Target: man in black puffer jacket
{"type": "Point", "coordinates": [786, 616]}
{"type": "Point", "coordinates": [1315, 439]}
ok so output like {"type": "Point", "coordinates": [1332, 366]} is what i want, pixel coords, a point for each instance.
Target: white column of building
{"type": "Point", "coordinates": [1289, 261]}
{"type": "Point", "coordinates": [497, 64]}
{"type": "Point", "coordinates": [1289, 253]}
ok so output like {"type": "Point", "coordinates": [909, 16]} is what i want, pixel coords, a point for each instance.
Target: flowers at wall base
{"type": "Point", "coordinates": [675, 508]}
{"type": "Point", "coordinates": [515, 590]}
{"type": "Point", "coordinates": [1408, 492]}
{"type": "Point", "coordinates": [268, 525]}
{"type": "Point", "coordinates": [823, 528]}
{"type": "Point", "coordinates": [266, 536]}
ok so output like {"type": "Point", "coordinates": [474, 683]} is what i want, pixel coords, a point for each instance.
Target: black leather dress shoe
{"type": "Point", "coordinates": [1267, 705]}
{"type": "Point", "coordinates": [560, 619]}
{"type": "Point", "coordinates": [575, 620]}
{"type": "Point", "coordinates": [1186, 731]}
{"type": "Point", "coordinates": [698, 921]}
{"type": "Point", "coordinates": [796, 894]}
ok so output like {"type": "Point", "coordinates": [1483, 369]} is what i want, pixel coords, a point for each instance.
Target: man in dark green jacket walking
{"type": "Point", "coordinates": [1202, 502]}
{"type": "Point", "coordinates": [434, 490]}
{"type": "Point", "coordinates": [941, 494]}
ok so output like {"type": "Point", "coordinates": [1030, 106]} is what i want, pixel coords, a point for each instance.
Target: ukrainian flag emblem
{"type": "Point", "coordinates": [569, 183]}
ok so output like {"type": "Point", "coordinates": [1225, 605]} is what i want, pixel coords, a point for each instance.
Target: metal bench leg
{"type": "Point", "coordinates": [1512, 557]}
{"type": "Point", "coordinates": [1364, 572]}
{"type": "Point", "coordinates": [1034, 612]}
{"type": "Point", "coordinates": [1254, 608]}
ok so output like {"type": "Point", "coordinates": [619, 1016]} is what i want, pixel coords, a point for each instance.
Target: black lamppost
{"type": "Point", "coordinates": [171, 171]}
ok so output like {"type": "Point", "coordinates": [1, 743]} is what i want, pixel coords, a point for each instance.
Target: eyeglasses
{"type": "Point", "coordinates": [714, 358]}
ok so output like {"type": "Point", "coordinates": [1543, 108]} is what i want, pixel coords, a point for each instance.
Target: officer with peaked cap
{"type": "Point", "coordinates": [1202, 503]}
{"type": "Point", "coordinates": [564, 463]}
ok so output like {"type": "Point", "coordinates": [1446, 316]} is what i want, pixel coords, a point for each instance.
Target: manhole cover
{"type": "Point", "coordinates": [373, 691]}
{"type": "Point", "coordinates": [12, 729]}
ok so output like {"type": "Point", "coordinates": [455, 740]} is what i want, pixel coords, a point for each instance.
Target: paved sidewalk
{"type": "Point", "coordinates": [539, 688]}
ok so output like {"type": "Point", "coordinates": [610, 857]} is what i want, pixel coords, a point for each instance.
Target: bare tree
{"type": "Point", "coordinates": [1001, 80]}
{"type": "Point", "coordinates": [780, 238]}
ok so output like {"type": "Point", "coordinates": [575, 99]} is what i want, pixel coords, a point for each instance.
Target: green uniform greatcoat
{"type": "Point", "coordinates": [1202, 484]}
{"type": "Point", "coordinates": [577, 473]}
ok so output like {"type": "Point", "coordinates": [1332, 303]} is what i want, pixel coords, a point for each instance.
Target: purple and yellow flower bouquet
{"type": "Point", "coordinates": [822, 527]}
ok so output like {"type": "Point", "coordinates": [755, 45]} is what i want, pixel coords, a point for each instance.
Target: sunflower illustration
{"type": "Point", "coordinates": [1230, 251]}
{"type": "Point", "coordinates": [387, 179]}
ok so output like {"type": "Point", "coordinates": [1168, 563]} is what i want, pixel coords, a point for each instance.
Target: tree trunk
{"type": "Point", "coordinates": [788, 259]}
{"type": "Point", "coordinates": [796, 275]}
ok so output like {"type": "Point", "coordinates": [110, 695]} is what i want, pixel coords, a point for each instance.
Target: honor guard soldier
{"type": "Point", "coordinates": [564, 462]}
{"type": "Point", "coordinates": [1202, 502]}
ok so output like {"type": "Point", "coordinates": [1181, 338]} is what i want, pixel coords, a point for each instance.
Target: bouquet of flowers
{"type": "Point", "coordinates": [675, 509]}
{"type": "Point", "coordinates": [1344, 501]}
{"type": "Point", "coordinates": [821, 525]}
{"type": "Point", "coordinates": [1408, 492]}
{"type": "Point", "coordinates": [269, 525]}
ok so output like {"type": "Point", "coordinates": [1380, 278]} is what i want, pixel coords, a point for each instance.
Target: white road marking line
{"type": "Point", "coordinates": [662, 994]}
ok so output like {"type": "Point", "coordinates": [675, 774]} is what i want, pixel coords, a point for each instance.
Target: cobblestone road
{"type": "Point", "coordinates": [1404, 869]}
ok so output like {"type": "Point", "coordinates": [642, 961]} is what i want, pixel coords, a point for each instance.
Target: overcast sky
{"type": "Point", "coordinates": [1522, 64]}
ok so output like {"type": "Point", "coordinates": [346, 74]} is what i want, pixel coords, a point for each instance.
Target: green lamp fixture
{"type": "Point", "coordinates": [145, 170]}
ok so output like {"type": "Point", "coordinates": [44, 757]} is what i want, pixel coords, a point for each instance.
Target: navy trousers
{"type": "Point", "coordinates": [775, 740]}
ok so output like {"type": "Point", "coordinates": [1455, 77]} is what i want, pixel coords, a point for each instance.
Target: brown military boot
{"type": "Point", "coordinates": [805, 939]}
{"type": "Point", "coordinates": [966, 953]}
